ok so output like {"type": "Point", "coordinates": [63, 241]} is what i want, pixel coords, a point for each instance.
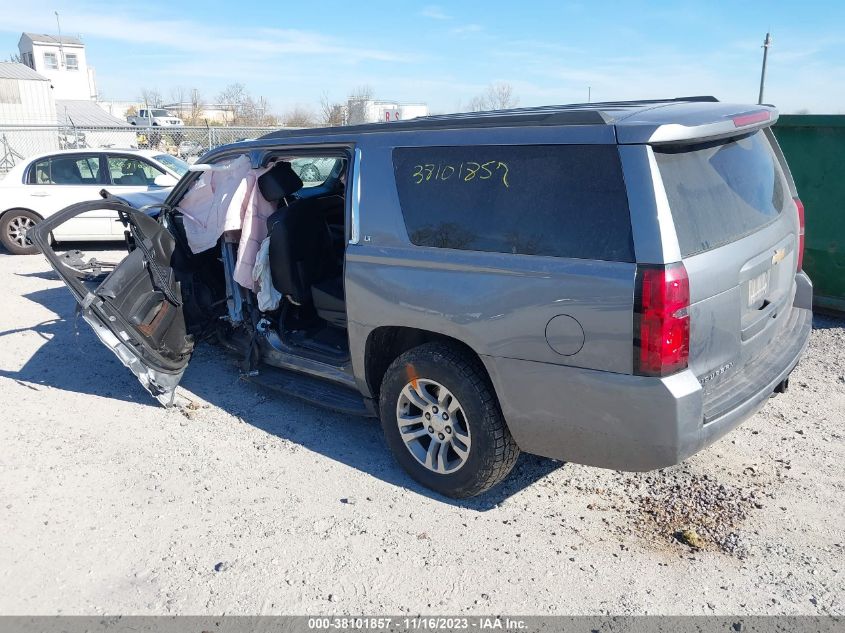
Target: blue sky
{"type": "Point", "coordinates": [444, 54]}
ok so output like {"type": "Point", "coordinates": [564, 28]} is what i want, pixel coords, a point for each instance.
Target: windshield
{"type": "Point", "coordinates": [174, 164]}
{"type": "Point", "coordinates": [158, 113]}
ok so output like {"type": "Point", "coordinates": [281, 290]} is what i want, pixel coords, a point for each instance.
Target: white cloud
{"type": "Point", "coordinates": [466, 29]}
{"type": "Point", "coordinates": [198, 38]}
{"type": "Point", "coordinates": [435, 13]}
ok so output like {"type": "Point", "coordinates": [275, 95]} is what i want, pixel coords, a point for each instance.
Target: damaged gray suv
{"type": "Point", "coordinates": [613, 284]}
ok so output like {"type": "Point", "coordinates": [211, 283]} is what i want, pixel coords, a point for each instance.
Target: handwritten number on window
{"type": "Point", "coordinates": [467, 172]}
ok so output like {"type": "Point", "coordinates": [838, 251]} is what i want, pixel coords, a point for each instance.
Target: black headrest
{"type": "Point", "coordinates": [279, 182]}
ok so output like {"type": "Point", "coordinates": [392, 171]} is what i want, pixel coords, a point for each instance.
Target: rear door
{"type": "Point", "coordinates": [737, 229]}
{"type": "Point", "coordinates": [136, 311]}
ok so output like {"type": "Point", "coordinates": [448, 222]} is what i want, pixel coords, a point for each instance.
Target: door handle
{"type": "Point", "coordinates": [39, 194]}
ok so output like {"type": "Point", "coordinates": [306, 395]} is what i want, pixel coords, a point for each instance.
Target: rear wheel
{"type": "Point", "coordinates": [13, 227]}
{"type": "Point", "coordinates": [442, 421]}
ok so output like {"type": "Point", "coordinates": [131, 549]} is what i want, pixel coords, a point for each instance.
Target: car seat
{"type": "Point", "coordinates": [302, 264]}
{"type": "Point", "coordinates": [65, 172]}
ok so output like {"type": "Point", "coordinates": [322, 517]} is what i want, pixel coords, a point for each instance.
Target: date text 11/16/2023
{"type": "Point", "coordinates": [465, 172]}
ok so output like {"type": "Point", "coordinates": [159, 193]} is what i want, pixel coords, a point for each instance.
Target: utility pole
{"type": "Point", "coordinates": [766, 43]}
{"type": "Point", "coordinates": [61, 46]}
{"type": "Point", "coordinates": [589, 93]}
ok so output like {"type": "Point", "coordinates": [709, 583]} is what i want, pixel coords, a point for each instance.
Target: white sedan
{"type": "Point", "coordinates": [45, 184]}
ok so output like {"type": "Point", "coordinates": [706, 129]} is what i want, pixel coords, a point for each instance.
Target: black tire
{"type": "Point", "coordinates": [11, 224]}
{"type": "Point", "coordinates": [492, 453]}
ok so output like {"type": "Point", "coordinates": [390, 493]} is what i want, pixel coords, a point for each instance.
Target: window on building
{"type": "Point", "coordinates": [71, 61]}
{"type": "Point", "coordinates": [28, 60]}
{"type": "Point", "coordinates": [552, 200]}
{"type": "Point", "coordinates": [51, 61]}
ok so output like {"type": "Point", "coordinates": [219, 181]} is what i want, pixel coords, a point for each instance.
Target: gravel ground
{"type": "Point", "coordinates": [248, 503]}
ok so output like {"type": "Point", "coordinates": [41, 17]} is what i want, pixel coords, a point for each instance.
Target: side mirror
{"type": "Point", "coordinates": [164, 180]}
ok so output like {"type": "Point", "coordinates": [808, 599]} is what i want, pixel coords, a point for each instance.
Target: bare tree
{"type": "Point", "coordinates": [16, 57]}
{"type": "Point", "coordinates": [498, 96]}
{"type": "Point", "coordinates": [363, 92]}
{"type": "Point", "coordinates": [232, 98]}
{"type": "Point", "coordinates": [179, 95]}
{"type": "Point", "coordinates": [477, 104]}
{"type": "Point", "coordinates": [357, 104]}
{"type": "Point", "coordinates": [151, 97]}
{"type": "Point", "coordinates": [196, 108]}
{"type": "Point", "coordinates": [331, 114]}
{"type": "Point", "coordinates": [243, 109]}
{"type": "Point", "coordinates": [298, 116]}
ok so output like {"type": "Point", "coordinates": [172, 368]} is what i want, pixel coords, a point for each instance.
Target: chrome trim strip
{"type": "Point", "coordinates": [355, 224]}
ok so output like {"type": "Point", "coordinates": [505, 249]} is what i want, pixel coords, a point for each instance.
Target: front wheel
{"type": "Point", "coordinates": [443, 423]}
{"type": "Point", "coordinates": [13, 227]}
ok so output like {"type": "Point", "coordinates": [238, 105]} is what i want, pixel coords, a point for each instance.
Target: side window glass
{"type": "Point", "coordinates": [89, 169]}
{"type": "Point", "coordinates": [551, 200]}
{"type": "Point", "coordinates": [132, 171]}
{"type": "Point", "coordinates": [151, 171]}
{"type": "Point", "coordinates": [314, 171]}
{"type": "Point", "coordinates": [66, 170]}
{"type": "Point", "coordinates": [39, 173]}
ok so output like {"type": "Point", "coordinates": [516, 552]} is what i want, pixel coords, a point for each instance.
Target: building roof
{"type": "Point", "coordinates": [44, 38]}
{"type": "Point", "coordinates": [82, 113]}
{"type": "Point", "coordinates": [14, 70]}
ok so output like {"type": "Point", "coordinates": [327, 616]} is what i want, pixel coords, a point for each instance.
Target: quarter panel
{"type": "Point", "coordinates": [498, 304]}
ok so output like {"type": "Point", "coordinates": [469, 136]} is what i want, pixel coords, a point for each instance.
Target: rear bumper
{"type": "Point", "coordinates": [629, 422]}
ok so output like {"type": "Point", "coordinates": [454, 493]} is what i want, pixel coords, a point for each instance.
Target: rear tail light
{"type": "Point", "coordinates": [800, 206]}
{"type": "Point", "coordinates": [662, 322]}
{"type": "Point", "coordinates": [751, 117]}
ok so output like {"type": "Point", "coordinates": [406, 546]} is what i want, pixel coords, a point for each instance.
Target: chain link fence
{"type": "Point", "coordinates": [18, 143]}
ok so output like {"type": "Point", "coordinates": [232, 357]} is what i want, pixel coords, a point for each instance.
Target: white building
{"type": "Point", "coordinates": [379, 111]}
{"type": "Point", "coordinates": [61, 60]}
{"type": "Point", "coordinates": [25, 97]}
{"type": "Point", "coordinates": [215, 112]}
{"type": "Point", "coordinates": [25, 100]}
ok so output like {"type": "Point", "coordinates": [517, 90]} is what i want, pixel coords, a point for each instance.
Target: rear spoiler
{"type": "Point", "coordinates": [686, 123]}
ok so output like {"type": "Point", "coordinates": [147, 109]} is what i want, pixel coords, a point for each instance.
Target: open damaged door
{"type": "Point", "coordinates": [136, 311]}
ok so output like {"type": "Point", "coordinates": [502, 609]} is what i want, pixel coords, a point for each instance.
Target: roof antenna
{"type": "Point", "coordinates": [766, 43]}
{"type": "Point", "coordinates": [61, 48]}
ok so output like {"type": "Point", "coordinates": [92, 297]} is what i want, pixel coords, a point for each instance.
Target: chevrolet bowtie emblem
{"type": "Point", "coordinates": [778, 256]}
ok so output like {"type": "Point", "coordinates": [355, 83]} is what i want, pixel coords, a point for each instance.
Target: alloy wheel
{"type": "Point", "coordinates": [433, 426]}
{"type": "Point", "coordinates": [16, 230]}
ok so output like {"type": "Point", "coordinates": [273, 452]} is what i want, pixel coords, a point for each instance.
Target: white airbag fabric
{"type": "Point", "coordinates": [268, 296]}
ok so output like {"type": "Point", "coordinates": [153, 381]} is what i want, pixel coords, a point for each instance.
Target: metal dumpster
{"type": "Point", "coordinates": [814, 146]}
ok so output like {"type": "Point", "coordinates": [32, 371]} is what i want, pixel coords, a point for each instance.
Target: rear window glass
{"type": "Point", "coordinates": [554, 200]}
{"type": "Point", "coordinates": [720, 192]}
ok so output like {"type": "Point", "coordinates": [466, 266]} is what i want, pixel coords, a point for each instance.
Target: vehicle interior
{"type": "Point", "coordinates": [66, 170]}
{"type": "Point", "coordinates": [131, 171]}
{"type": "Point", "coordinates": [307, 238]}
